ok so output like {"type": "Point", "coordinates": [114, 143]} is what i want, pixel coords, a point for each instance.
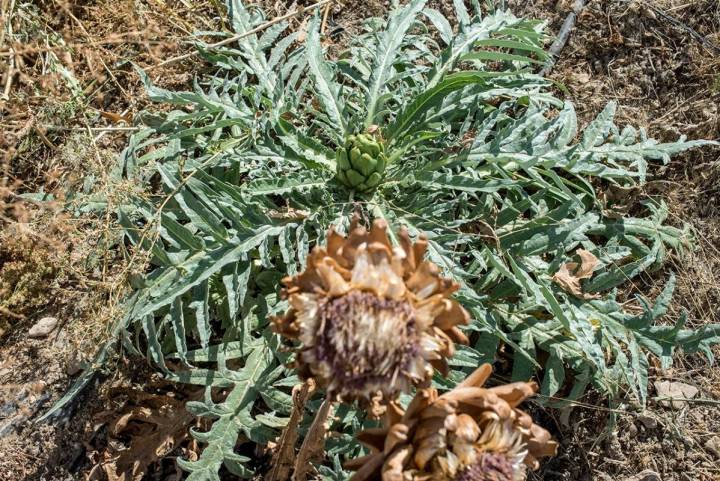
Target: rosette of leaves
{"type": "Point", "coordinates": [481, 157]}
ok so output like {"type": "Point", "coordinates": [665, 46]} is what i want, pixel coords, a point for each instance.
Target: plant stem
{"type": "Point", "coordinates": [563, 36]}
{"type": "Point", "coordinates": [314, 442]}
{"type": "Point", "coordinates": [282, 462]}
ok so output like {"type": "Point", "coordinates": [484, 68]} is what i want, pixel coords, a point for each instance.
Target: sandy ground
{"type": "Point", "coordinates": [658, 59]}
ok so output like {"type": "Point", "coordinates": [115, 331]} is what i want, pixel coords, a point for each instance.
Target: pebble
{"type": "Point", "coordinates": [713, 445]}
{"type": "Point", "coordinates": [43, 327]}
{"type": "Point", "coordinates": [648, 422]}
{"type": "Point", "coordinates": [74, 366]}
{"type": "Point", "coordinates": [677, 392]}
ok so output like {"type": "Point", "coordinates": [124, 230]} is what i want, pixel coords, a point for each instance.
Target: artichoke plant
{"type": "Point", "coordinates": [361, 162]}
{"type": "Point", "coordinates": [244, 176]}
{"type": "Point", "coordinates": [373, 320]}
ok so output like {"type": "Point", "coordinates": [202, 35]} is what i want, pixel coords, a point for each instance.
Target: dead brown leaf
{"type": "Point", "coordinates": [116, 118]}
{"type": "Point", "coordinates": [570, 274]}
{"type": "Point", "coordinates": [155, 426]}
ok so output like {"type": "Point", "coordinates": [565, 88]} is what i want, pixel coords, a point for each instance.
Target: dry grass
{"type": "Point", "coordinates": [67, 96]}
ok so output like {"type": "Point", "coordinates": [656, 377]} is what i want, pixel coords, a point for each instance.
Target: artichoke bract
{"type": "Point", "coordinates": [361, 162]}
{"type": "Point", "coordinates": [470, 433]}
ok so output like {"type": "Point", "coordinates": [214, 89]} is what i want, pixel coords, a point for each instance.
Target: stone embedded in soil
{"type": "Point", "coordinates": [43, 327]}
{"type": "Point", "coordinates": [713, 445]}
{"type": "Point", "coordinates": [674, 394]}
{"type": "Point", "coordinates": [648, 421]}
{"type": "Point", "coordinates": [74, 366]}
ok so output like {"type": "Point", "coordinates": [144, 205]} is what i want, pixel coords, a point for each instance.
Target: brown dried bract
{"type": "Point", "coordinates": [469, 433]}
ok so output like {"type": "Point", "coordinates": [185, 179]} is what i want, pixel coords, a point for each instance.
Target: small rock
{"type": "Point", "coordinates": [648, 422]}
{"type": "Point", "coordinates": [713, 445]}
{"type": "Point", "coordinates": [646, 475]}
{"type": "Point", "coordinates": [74, 366]}
{"type": "Point", "coordinates": [43, 327]}
{"type": "Point", "coordinates": [649, 13]}
{"type": "Point", "coordinates": [565, 416]}
{"type": "Point", "coordinates": [674, 394]}
{"type": "Point", "coordinates": [581, 77]}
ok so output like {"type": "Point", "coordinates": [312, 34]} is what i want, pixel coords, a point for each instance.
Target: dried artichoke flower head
{"type": "Point", "coordinates": [372, 320]}
{"type": "Point", "coordinates": [467, 434]}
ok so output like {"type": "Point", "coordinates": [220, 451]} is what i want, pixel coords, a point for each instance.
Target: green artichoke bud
{"type": "Point", "coordinates": [361, 162]}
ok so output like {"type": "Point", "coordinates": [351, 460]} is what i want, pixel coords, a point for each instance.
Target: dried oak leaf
{"type": "Point", "coordinates": [155, 425]}
{"type": "Point", "coordinates": [570, 274]}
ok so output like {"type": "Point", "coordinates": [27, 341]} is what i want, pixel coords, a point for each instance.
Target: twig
{"type": "Point", "coordinates": [108, 209]}
{"type": "Point", "coordinates": [44, 139]}
{"type": "Point", "coordinates": [122, 40]}
{"type": "Point", "coordinates": [687, 400]}
{"type": "Point", "coordinates": [677, 23]}
{"type": "Point", "coordinates": [324, 19]}
{"type": "Point", "coordinates": [6, 25]}
{"type": "Point", "coordinates": [312, 446]}
{"type": "Point", "coordinates": [237, 37]}
{"type": "Point", "coordinates": [282, 461]}
{"type": "Point", "coordinates": [10, 313]}
{"type": "Point", "coordinates": [92, 129]}
{"type": "Point", "coordinates": [65, 9]}
{"type": "Point", "coordinates": [158, 216]}
{"type": "Point", "coordinates": [9, 79]}
{"type": "Point", "coordinates": [563, 36]}
{"type": "Point", "coordinates": [112, 75]}
{"type": "Point", "coordinates": [7, 29]}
